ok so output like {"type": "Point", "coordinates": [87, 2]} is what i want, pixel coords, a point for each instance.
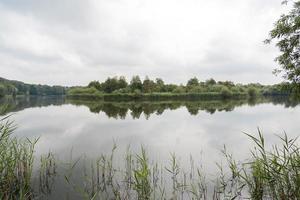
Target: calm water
{"type": "Point", "coordinates": [186, 128]}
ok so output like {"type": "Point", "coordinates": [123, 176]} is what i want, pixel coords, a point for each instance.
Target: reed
{"type": "Point", "coordinates": [268, 174]}
{"type": "Point", "coordinates": [16, 161]}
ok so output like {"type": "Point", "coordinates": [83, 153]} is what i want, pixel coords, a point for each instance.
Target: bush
{"type": "Point", "coordinates": [226, 93]}
{"type": "Point", "coordinates": [215, 88]}
{"type": "Point", "coordinates": [197, 89]}
{"type": "Point", "coordinates": [179, 89]}
{"type": "Point", "coordinates": [252, 92]}
{"type": "Point", "coordinates": [82, 90]}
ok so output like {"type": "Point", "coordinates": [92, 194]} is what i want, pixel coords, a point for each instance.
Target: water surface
{"type": "Point", "coordinates": [199, 129]}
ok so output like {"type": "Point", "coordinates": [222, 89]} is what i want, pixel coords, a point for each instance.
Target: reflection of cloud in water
{"type": "Point", "coordinates": [64, 127]}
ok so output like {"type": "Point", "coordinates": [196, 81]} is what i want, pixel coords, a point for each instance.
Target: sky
{"type": "Point", "coordinates": [72, 42]}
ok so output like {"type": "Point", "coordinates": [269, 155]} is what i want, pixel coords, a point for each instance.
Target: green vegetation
{"type": "Point", "coordinates": [16, 161]}
{"type": "Point", "coordinates": [13, 88]}
{"type": "Point", "coordinates": [286, 34]}
{"type": "Point", "coordinates": [273, 174]}
{"type": "Point", "coordinates": [2, 91]}
{"type": "Point", "coordinates": [117, 89]}
{"type": "Point", "coordinates": [265, 175]}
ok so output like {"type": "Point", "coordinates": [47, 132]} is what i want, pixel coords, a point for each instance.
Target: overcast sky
{"type": "Point", "coordinates": [71, 42]}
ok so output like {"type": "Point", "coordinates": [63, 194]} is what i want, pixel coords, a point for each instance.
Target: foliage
{"type": "Point", "coordinates": [16, 160]}
{"type": "Point", "coordinates": [286, 32]}
{"type": "Point", "coordinates": [136, 83]}
{"type": "Point", "coordinates": [95, 84]}
{"type": "Point", "coordinates": [225, 92]}
{"type": "Point", "coordinates": [14, 88]}
{"type": "Point", "coordinates": [193, 82]}
{"type": "Point", "coordinates": [2, 91]}
{"type": "Point", "coordinates": [210, 82]}
{"type": "Point", "coordinates": [273, 174]}
{"type": "Point", "coordinates": [118, 89]}
{"type": "Point", "coordinates": [113, 84]}
{"type": "Point", "coordinates": [148, 85]}
{"type": "Point", "coordinates": [253, 92]}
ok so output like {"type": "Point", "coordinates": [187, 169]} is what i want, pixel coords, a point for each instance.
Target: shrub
{"type": "Point", "coordinates": [252, 92]}
{"type": "Point", "coordinates": [179, 89]}
{"type": "Point", "coordinates": [197, 89]}
{"type": "Point", "coordinates": [226, 93]}
{"type": "Point", "coordinates": [82, 90]}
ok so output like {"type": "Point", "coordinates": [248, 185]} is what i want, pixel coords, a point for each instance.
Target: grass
{"type": "Point", "coordinates": [274, 173]}
{"type": "Point", "coordinates": [268, 174]}
{"type": "Point", "coordinates": [16, 161]}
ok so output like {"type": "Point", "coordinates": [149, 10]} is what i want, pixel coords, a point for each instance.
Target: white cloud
{"type": "Point", "coordinates": [72, 42]}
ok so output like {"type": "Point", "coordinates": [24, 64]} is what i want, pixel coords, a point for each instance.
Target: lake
{"type": "Point", "coordinates": [201, 129]}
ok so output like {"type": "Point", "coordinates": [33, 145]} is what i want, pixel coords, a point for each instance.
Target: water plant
{"type": "Point", "coordinates": [267, 174]}
{"type": "Point", "coordinates": [16, 162]}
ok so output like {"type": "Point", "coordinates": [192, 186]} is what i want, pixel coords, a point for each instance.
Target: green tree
{"type": "Point", "coordinates": [122, 82]}
{"type": "Point", "coordinates": [110, 85]}
{"type": "Point", "coordinates": [179, 89]}
{"type": "Point", "coordinates": [95, 84]}
{"type": "Point", "coordinates": [225, 92]}
{"type": "Point", "coordinates": [210, 82]}
{"type": "Point", "coordinates": [136, 83]}
{"type": "Point", "coordinates": [2, 91]}
{"type": "Point", "coordinates": [193, 82]}
{"type": "Point", "coordinates": [159, 85]}
{"type": "Point", "coordinates": [33, 90]}
{"type": "Point", "coordinates": [148, 85]}
{"type": "Point", "coordinates": [286, 32]}
{"type": "Point", "coordinates": [252, 92]}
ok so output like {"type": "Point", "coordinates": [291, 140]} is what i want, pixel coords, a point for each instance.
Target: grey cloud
{"type": "Point", "coordinates": [68, 12]}
{"type": "Point", "coordinates": [43, 41]}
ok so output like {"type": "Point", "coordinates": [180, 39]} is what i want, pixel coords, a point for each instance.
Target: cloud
{"type": "Point", "coordinates": [47, 41]}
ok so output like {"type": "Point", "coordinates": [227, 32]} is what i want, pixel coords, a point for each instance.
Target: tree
{"type": "Point", "coordinates": [148, 85]}
{"type": "Point", "coordinates": [95, 84]}
{"type": "Point", "coordinates": [252, 92]}
{"type": "Point", "coordinates": [110, 85]}
{"type": "Point", "coordinates": [286, 32]}
{"type": "Point", "coordinates": [2, 91]}
{"type": "Point", "coordinates": [159, 81]}
{"type": "Point", "coordinates": [193, 82]}
{"type": "Point", "coordinates": [159, 85]}
{"type": "Point", "coordinates": [210, 82]}
{"type": "Point", "coordinates": [136, 83]}
{"type": "Point", "coordinates": [225, 92]}
{"type": "Point", "coordinates": [122, 82]}
{"type": "Point", "coordinates": [33, 90]}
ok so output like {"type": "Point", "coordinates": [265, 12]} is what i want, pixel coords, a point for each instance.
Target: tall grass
{"type": "Point", "coordinates": [268, 174]}
{"type": "Point", "coordinates": [16, 161]}
{"type": "Point", "coordinates": [274, 174]}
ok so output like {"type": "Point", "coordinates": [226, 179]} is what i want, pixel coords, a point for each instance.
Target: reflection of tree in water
{"type": "Point", "coordinates": [213, 106]}
{"type": "Point", "coordinates": [20, 103]}
{"type": "Point", "coordinates": [119, 110]}
{"type": "Point", "coordinates": [136, 111]}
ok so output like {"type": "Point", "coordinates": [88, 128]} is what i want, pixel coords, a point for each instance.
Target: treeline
{"type": "Point", "coordinates": [147, 89]}
{"type": "Point", "coordinates": [117, 88]}
{"type": "Point", "coordinates": [14, 88]}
